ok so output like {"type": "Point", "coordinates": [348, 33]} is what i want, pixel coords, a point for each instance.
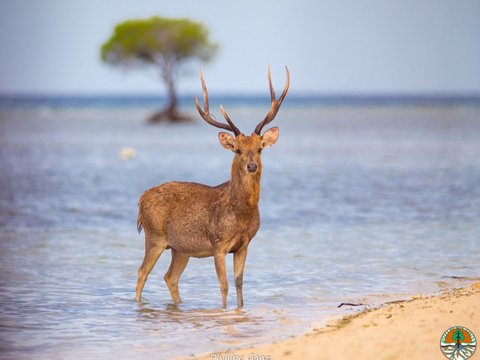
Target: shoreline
{"type": "Point", "coordinates": [397, 329]}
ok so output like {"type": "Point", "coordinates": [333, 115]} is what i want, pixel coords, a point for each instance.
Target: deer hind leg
{"type": "Point", "coordinates": [178, 264]}
{"type": "Point", "coordinates": [221, 269]}
{"type": "Point", "coordinates": [154, 247]}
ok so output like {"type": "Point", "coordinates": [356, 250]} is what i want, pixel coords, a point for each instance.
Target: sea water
{"type": "Point", "coordinates": [356, 201]}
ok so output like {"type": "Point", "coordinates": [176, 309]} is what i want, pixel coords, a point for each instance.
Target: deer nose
{"type": "Point", "coordinates": [252, 167]}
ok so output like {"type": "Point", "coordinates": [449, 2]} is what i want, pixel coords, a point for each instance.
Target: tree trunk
{"type": "Point", "coordinates": [172, 97]}
{"type": "Point", "coordinates": [170, 112]}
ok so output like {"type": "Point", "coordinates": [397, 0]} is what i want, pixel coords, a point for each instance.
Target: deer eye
{"type": "Point", "coordinates": [238, 151]}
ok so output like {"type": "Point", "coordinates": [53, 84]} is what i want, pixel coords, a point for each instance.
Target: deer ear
{"type": "Point", "coordinates": [226, 140]}
{"type": "Point", "coordinates": [270, 137]}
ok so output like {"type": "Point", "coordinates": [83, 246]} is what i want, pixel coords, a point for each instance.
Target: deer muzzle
{"type": "Point", "coordinates": [252, 167]}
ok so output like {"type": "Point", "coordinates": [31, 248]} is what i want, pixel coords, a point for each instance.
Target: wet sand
{"type": "Point", "coordinates": [408, 329]}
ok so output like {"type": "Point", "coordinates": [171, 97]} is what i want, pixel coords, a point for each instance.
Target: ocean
{"type": "Point", "coordinates": [362, 200]}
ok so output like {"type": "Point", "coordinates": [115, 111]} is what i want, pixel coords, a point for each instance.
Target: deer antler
{"type": "Point", "coordinates": [205, 113]}
{"type": "Point", "coordinates": [276, 103]}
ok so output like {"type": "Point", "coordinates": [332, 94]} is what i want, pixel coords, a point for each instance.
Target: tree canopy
{"type": "Point", "coordinates": [161, 42]}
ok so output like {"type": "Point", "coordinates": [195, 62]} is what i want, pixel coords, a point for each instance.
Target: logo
{"type": "Point", "coordinates": [458, 343]}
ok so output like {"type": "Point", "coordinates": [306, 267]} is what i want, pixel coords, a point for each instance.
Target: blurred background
{"type": "Point", "coordinates": [339, 47]}
{"type": "Point", "coordinates": [372, 192]}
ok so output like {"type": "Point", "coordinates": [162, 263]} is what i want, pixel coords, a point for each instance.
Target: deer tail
{"type": "Point", "coordinates": [139, 221]}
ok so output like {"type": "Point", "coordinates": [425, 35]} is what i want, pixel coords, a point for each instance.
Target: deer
{"type": "Point", "coordinates": [196, 220]}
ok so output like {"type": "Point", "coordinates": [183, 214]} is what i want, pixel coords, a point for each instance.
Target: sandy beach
{"type": "Point", "coordinates": [408, 329]}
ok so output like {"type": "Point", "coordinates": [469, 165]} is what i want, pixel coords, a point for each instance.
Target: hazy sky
{"type": "Point", "coordinates": [52, 46]}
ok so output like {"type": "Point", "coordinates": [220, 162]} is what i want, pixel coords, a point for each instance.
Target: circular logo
{"type": "Point", "coordinates": [458, 343]}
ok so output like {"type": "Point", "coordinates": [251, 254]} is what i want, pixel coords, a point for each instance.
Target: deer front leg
{"type": "Point", "coordinates": [221, 269]}
{"type": "Point", "coordinates": [239, 258]}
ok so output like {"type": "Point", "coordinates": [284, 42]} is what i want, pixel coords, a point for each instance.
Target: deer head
{"type": "Point", "coordinates": [247, 148]}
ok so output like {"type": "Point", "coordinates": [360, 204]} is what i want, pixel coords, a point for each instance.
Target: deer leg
{"type": "Point", "coordinates": [152, 253]}
{"type": "Point", "coordinates": [221, 269]}
{"type": "Point", "coordinates": [239, 258]}
{"type": "Point", "coordinates": [178, 264]}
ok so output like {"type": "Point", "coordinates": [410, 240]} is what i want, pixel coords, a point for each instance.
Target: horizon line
{"type": "Point", "coordinates": [246, 95]}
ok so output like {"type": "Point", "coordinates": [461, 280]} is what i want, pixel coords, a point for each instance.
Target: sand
{"type": "Point", "coordinates": [408, 329]}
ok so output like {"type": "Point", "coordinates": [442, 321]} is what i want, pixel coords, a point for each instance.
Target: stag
{"type": "Point", "coordinates": [198, 220]}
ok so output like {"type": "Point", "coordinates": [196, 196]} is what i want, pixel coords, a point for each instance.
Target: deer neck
{"type": "Point", "coordinates": [244, 190]}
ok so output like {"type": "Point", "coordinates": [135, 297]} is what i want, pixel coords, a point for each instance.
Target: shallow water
{"type": "Point", "coordinates": [355, 201]}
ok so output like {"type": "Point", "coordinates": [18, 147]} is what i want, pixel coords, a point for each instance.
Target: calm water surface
{"type": "Point", "coordinates": [355, 202]}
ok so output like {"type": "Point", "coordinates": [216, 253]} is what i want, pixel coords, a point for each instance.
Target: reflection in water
{"type": "Point", "coordinates": [211, 326]}
{"type": "Point", "coordinates": [356, 203]}
{"type": "Point", "coordinates": [196, 318]}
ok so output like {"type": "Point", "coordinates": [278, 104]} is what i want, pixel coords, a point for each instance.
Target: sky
{"type": "Point", "coordinates": [330, 47]}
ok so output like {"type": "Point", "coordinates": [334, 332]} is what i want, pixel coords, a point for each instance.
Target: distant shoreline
{"type": "Point", "coordinates": [396, 330]}
{"type": "Point", "coordinates": [147, 100]}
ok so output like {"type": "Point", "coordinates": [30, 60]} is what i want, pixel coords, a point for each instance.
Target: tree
{"type": "Point", "coordinates": [458, 336]}
{"type": "Point", "coordinates": [166, 44]}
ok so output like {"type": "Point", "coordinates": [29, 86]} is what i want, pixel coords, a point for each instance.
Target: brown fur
{"type": "Point", "coordinates": [200, 221]}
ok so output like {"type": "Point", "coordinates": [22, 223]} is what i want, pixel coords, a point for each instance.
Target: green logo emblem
{"type": "Point", "coordinates": [458, 343]}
